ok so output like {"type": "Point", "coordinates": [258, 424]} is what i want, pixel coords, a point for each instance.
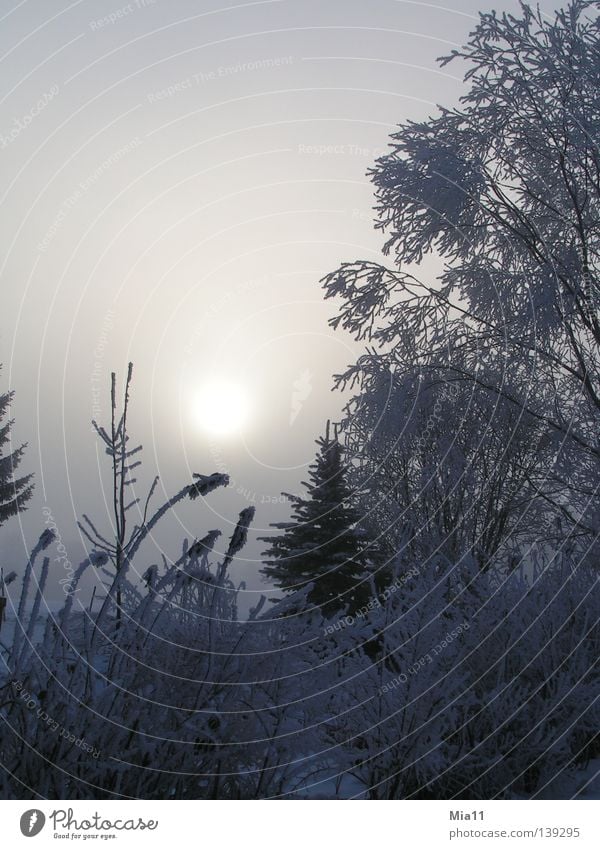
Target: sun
{"type": "Point", "coordinates": [222, 408]}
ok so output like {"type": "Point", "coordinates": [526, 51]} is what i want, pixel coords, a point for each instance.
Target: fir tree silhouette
{"type": "Point", "coordinates": [322, 545]}
{"type": "Point", "coordinates": [14, 492]}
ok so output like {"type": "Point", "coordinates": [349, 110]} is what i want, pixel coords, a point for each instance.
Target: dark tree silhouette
{"type": "Point", "coordinates": [14, 492]}
{"type": "Point", "coordinates": [322, 545]}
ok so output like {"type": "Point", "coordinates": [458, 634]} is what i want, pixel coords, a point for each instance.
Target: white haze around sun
{"type": "Point", "coordinates": [222, 408]}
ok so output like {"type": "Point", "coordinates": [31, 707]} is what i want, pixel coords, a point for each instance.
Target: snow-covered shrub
{"type": "Point", "coordinates": [137, 697]}
{"type": "Point", "coordinates": [486, 684]}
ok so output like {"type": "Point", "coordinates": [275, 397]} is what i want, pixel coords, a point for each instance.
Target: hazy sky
{"type": "Point", "coordinates": [176, 177]}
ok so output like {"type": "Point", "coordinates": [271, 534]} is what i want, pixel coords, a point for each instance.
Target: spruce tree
{"type": "Point", "coordinates": [14, 492]}
{"type": "Point", "coordinates": [322, 544]}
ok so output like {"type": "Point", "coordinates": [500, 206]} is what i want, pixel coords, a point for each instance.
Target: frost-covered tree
{"type": "Point", "coordinates": [443, 468]}
{"type": "Point", "coordinates": [322, 545]}
{"type": "Point", "coordinates": [504, 190]}
{"type": "Point", "coordinates": [15, 492]}
{"type": "Point", "coordinates": [123, 541]}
